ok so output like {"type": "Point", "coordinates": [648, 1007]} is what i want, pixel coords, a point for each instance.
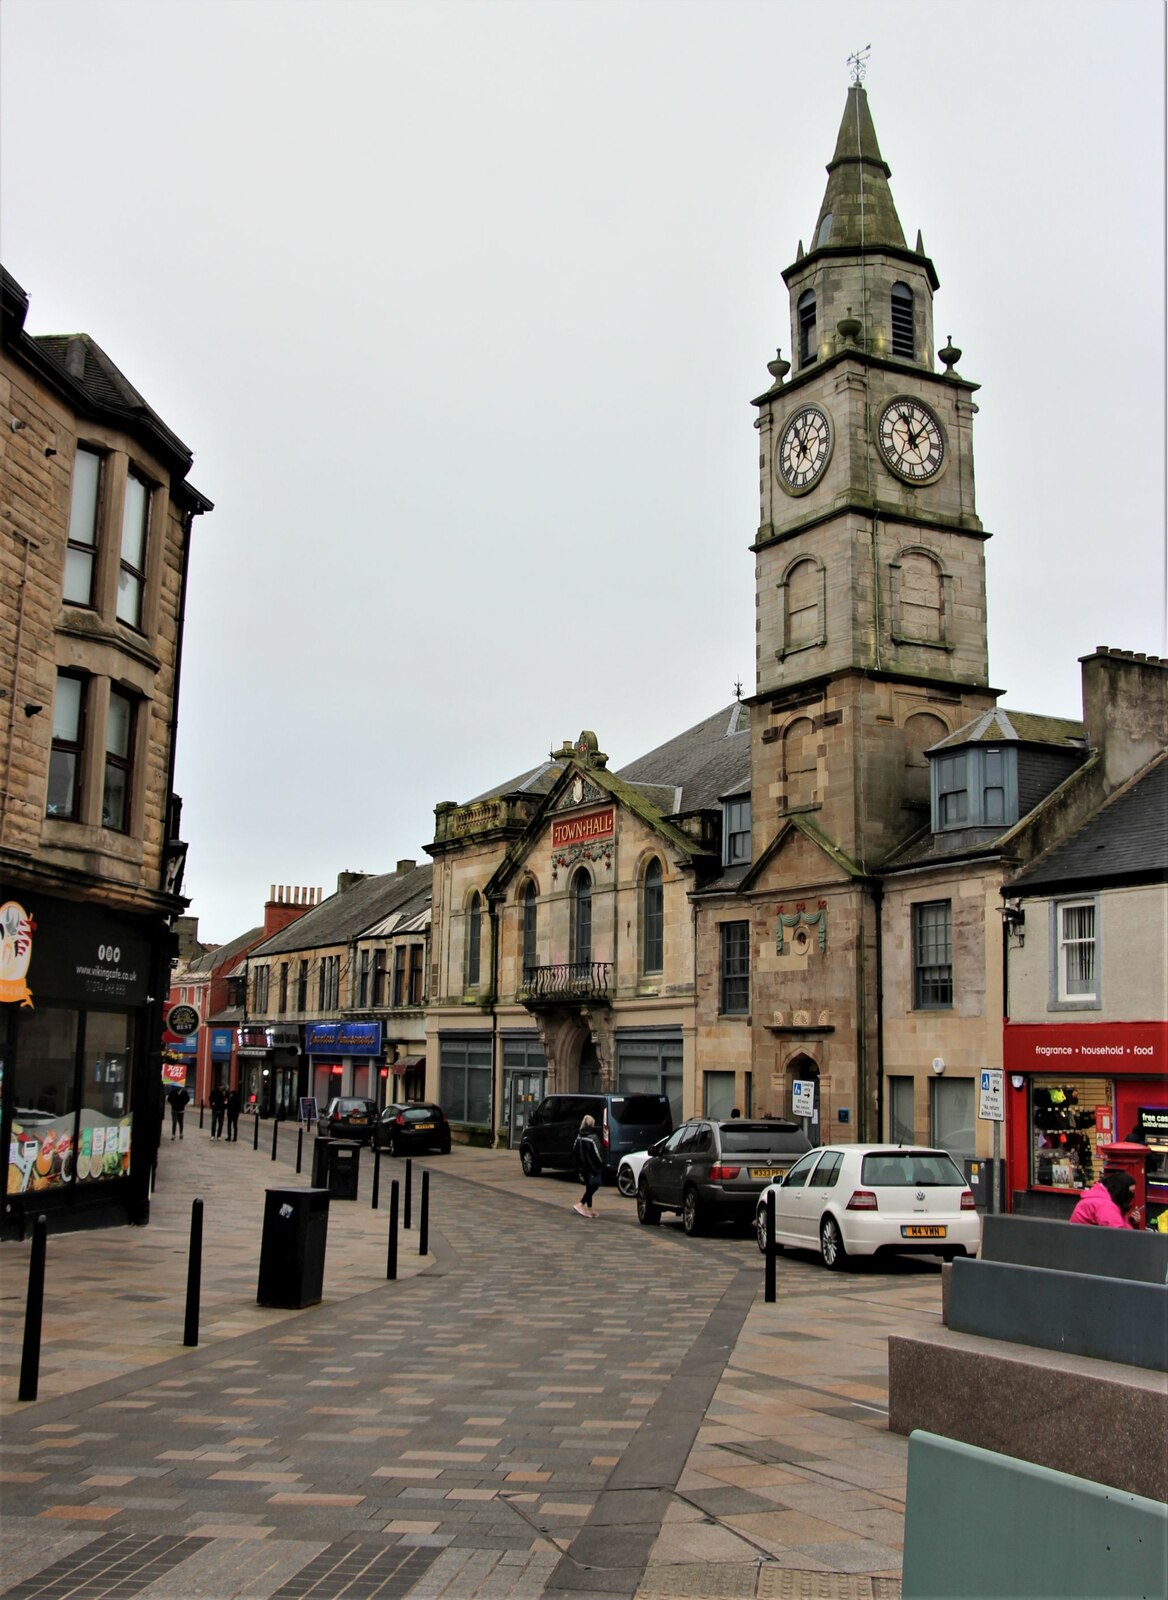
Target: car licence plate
{"type": "Point", "coordinates": [769, 1173]}
{"type": "Point", "coordinates": [919, 1232]}
{"type": "Point", "coordinates": [423, 1127]}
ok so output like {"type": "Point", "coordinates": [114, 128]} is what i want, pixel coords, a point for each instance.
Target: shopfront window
{"type": "Point", "coordinates": [465, 1077]}
{"type": "Point", "coordinates": [1064, 1122]}
{"type": "Point", "coordinates": [103, 1142]}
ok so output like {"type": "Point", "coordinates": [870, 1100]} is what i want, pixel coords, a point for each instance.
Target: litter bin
{"type": "Point", "coordinates": [292, 1248]}
{"type": "Point", "coordinates": [320, 1150]}
{"type": "Point", "coordinates": [344, 1166]}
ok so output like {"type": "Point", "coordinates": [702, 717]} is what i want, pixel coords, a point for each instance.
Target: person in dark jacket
{"type": "Point", "coordinates": [590, 1165]}
{"type": "Point", "coordinates": [232, 1114]}
{"type": "Point", "coordinates": [218, 1106]}
{"type": "Point", "coordinates": [177, 1101]}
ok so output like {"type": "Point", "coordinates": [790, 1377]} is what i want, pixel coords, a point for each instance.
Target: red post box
{"type": "Point", "coordinates": [1125, 1156]}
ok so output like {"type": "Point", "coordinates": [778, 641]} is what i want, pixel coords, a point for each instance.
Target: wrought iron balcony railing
{"type": "Point", "coordinates": [569, 980]}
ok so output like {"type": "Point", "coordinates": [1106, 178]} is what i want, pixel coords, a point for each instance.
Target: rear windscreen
{"type": "Point", "coordinates": [641, 1109]}
{"type": "Point", "coordinates": [419, 1114]}
{"type": "Point", "coordinates": [775, 1141]}
{"type": "Point", "coordinates": [926, 1169]}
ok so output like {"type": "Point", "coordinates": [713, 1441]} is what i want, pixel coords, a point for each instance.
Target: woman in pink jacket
{"type": "Point", "coordinates": [1108, 1203]}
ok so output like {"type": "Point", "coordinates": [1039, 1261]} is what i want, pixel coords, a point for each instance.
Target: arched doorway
{"type": "Point", "coordinates": [801, 1096]}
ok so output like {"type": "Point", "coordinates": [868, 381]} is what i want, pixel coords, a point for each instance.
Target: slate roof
{"type": "Point", "coordinates": [537, 781]}
{"type": "Point", "coordinates": [701, 765]}
{"type": "Point", "coordinates": [353, 911]}
{"type": "Point", "coordinates": [1002, 726]}
{"type": "Point", "coordinates": [1125, 842]}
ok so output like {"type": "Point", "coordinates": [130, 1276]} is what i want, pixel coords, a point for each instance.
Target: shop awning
{"type": "Point", "coordinates": [408, 1064]}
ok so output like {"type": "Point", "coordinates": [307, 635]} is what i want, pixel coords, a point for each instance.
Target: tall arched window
{"type": "Point", "coordinates": [474, 940]}
{"type": "Point", "coordinates": [903, 332]}
{"type": "Point", "coordinates": [530, 902]}
{"type": "Point", "coordinates": [805, 312]}
{"type": "Point", "coordinates": [581, 929]}
{"type": "Point", "coordinates": [653, 912]}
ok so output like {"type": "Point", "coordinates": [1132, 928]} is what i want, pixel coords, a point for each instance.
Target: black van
{"type": "Point", "coordinates": [624, 1122]}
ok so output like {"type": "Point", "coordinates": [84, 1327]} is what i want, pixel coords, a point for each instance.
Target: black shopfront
{"type": "Point", "coordinates": [79, 1059]}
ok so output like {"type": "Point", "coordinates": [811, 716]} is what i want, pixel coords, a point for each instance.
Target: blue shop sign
{"type": "Point", "coordinates": [221, 1042]}
{"type": "Point", "coordinates": [343, 1038]}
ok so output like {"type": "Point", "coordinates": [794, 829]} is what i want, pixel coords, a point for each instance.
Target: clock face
{"type": "Point", "coordinates": [804, 449]}
{"type": "Point", "coordinates": [911, 440]}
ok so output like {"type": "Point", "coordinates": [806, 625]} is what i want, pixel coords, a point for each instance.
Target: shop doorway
{"type": "Point", "coordinates": [522, 1092]}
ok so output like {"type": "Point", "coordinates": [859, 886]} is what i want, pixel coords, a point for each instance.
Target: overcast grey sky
{"type": "Point", "coordinates": [461, 307]}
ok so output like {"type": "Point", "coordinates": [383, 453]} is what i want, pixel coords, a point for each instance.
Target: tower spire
{"type": "Point", "coordinates": [858, 209]}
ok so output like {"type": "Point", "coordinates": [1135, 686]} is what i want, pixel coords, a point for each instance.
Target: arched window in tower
{"type": "Point", "coordinates": [474, 940]}
{"type": "Point", "coordinates": [904, 341]}
{"type": "Point", "coordinates": [918, 598]}
{"type": "Point", "coordinates": [529, 904]}
{"type": "Point", "coordinates": [921, 731]}
{"type": "Point", "coordinates": [804, 606]}
{"type": "Point", "coordinates": [580, 931]}
{"type": "Point", "coordinates": [805, 313]}
{"type": "Point", "coordinates": [800, 751]}
{"type": "Point", "coordinates": [653, 919]}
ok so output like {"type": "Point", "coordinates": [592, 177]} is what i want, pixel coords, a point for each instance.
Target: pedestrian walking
{"type": "Point", "coordinates": [178, 1100]}
{"type": "Point", "coordinates": [232, 1114]}
{"type": "Point", "coordinates": [218, 1108]}
{"type": "Point", "coordinates": [590, 1165]}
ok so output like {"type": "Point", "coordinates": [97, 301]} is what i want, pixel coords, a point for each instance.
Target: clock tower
{"type": "Point", "coordinates": [870, 572]}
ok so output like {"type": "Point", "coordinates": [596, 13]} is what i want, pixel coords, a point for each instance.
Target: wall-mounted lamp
{"type": "Point", "coordinates": [50, 450]}
{"type": "Point", "coordinates": [16, 424]}
{"type": "Point", "coordinates": [1014, 922]}
{"type": "Point", "coordinates": [31, 709]}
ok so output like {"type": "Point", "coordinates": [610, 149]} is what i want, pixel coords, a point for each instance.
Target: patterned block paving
{"type": "Point", "coordinates": [114, 1565]}
{"type": "Point", "coordinates": [359, 1572]}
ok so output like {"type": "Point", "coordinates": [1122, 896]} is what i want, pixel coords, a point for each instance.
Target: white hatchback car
{"type": "Point", "coordinates": [629, 1172]}
{"type": "Point", "coordinates": [857, 1199]}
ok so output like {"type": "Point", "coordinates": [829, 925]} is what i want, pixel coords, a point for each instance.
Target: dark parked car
{"type": "Point", "coordinates": [624, 1122]}
{"type": "Point", "coordinates": [715, 1171]}
{"type": "Point", "coordinates": [347, 1118]}
{"type": "Point", "coordinates": [413, 1125]}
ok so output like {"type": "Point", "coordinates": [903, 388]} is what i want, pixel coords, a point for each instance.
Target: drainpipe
{"type": "Point", "coordinates": [878, 904]}
{"type": "Point", "coordinates": [496, 1098]}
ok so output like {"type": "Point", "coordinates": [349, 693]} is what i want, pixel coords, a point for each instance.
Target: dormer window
{"type": "Point", "coordinates": [735, 832]}
{"type": "Point", "coordinates": [805, 313]}
{"type": "Point", "coordinates": [903, 331]}
{"type": "Point", "coordinates": [824, 233]}
{"type": "Point", "coordinates": [976, 788]}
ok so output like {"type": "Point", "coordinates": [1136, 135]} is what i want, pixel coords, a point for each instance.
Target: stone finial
{"type": "Point", "coordinates": [778, 368]}
{"type": "Point", "coordinates": [849, 327]}
{"type": "Point", "coordinates": [950, 356]}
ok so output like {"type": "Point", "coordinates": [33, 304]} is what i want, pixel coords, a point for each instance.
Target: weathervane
{"type": "Point", "coordinates": [858, 61]}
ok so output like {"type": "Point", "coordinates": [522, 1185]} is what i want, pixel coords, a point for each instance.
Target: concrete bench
{"type": "Point", "coordinates": [1093, 1419]}
{"type": "Point", "coordinates": [1111, 1319]}
{"type": "Point", "coordinates": [1070, 1247]}
{"type": "Point", "coordinates": [983, 1526]}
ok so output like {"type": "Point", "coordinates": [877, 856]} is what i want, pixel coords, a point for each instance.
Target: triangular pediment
{"type": "Point", "coordinates": [800, 854]}
{"type": "Point", "coordinates": [580, 790]}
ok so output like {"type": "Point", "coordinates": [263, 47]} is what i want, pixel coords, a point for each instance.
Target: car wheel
{"type": "Point", "coordinates": [529, 1161]}
{"type": "Point", "coordinates": [625, 1181]}
{"type": "Point", "coordinates": [951, 1255]}
{"type": "Point", "coordinates": [831, 1244]}
{"type": "Point", "coordinates": [444, 1148]}
{"type": "Point", "coordinates": [648, 1214]}
{"type": "Point", "coordinates": [760, 1231]}
{"type": "Point", "coordinates": [692, 1214]}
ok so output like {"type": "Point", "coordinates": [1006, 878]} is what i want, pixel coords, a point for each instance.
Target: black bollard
{"type": "Point", "coordinates": [200, 1116]}
{"type": "Point", "coordinates": [391, 1257]}
{"type": "Point", "coordinates": [769, 1289]}
{"type": "Point", "coordinates": [376, 1175]}
{"type": "Point", "coordinates": [255, 1137]}
{"type": "Point", "coordinates": [406, 1220]}
{"type": "Point", "coordinates": [194, 1274]}
{"type": "Point", "coordinates": [30, 1355]}
{"type": "Point", "coordinates": [299, 1146]}
{"type": "Point", "coordinates": [424, 1219]}
{"type": "Point", "coordinates": [275, 1135]}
